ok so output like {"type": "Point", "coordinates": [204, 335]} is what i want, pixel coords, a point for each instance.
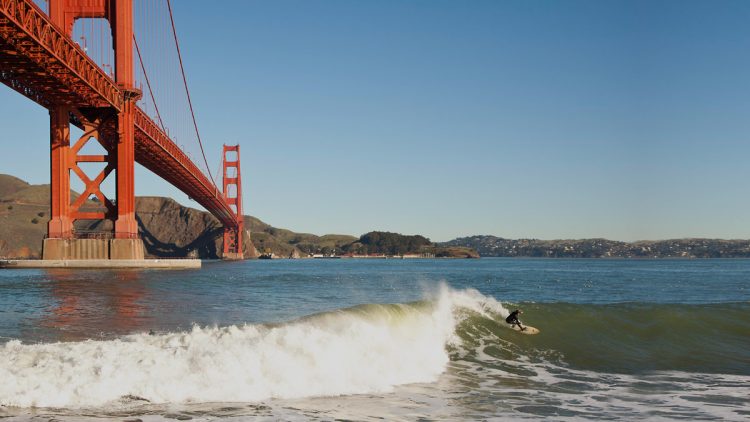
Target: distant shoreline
{"type": "Point", "coordinates": [689, 248]}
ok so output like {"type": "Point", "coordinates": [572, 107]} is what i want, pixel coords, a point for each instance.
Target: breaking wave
{"type": "Point", "coordinates": [364, 349]}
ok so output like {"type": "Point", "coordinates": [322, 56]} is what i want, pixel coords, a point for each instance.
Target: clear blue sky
{"type": "Point", "coordinates": [626, 120]}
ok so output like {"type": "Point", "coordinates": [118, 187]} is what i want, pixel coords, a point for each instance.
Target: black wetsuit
{"type": "Point", "coordinates": [513, 319]}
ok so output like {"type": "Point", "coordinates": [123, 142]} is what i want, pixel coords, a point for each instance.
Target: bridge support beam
{"type": "Point", "coordinates": [60, 225]}
{"type": "Point", "coordinates": [125, 225]}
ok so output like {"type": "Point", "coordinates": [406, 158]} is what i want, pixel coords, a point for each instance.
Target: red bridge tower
{"type": "Point", "coordinates": [113, 129]}
{"type": "Point", "coordinates": [232, 181]}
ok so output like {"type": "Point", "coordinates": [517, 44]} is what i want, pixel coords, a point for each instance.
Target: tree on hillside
{"type": "Point", "coordinates": [393, 243]}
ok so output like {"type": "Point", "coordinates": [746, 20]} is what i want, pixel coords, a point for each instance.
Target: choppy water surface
{"type": "Point", "coordinates": [363, 340]}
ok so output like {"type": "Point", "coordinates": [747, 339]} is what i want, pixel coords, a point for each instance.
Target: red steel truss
{"type": "Point", "coordinates": [43, 63]}
{"type": "Point", "coordinates": [39, 59]}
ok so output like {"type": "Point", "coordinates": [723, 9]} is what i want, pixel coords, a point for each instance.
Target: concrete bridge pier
{"type": "Point", "coordinates": [78, 249]}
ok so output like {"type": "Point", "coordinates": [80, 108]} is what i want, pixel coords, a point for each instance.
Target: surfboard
{"type": "Point", "coordinates": [528, 329]}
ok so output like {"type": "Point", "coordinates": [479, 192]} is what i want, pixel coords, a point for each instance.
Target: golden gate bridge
{"type": "Point", "coordinates": [110, 72]}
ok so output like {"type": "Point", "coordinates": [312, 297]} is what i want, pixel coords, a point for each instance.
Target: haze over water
{"type": "Point", "coordinates": [401, 340]}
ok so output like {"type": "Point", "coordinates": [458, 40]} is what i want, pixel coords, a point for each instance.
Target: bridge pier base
{"type": "Point", "coordinates": [76, 249]}
{"type": "Point", "coordinates": [126, 249]}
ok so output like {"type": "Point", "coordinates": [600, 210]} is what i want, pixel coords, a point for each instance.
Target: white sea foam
{"type": "Point", "coordinates": [363, 350]}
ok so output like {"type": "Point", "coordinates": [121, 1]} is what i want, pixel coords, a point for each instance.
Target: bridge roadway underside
{"type": "Point", "coordinates": [43, 86]}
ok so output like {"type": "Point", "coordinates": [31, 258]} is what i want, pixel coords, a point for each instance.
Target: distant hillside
{"type": "Point", "coordinates": [167, 228]}
{"type": "Point", "coordinates": [603, 248]}
{"type": "Point", "coordinates": [22, 217]}
{"type": "Point", "coordinates": [288, 244]}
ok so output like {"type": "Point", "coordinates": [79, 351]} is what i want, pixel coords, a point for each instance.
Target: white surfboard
{"type": "Point", "coordinates": [528, 329]}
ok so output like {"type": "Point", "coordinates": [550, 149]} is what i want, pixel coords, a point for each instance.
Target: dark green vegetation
{"type": "Point", "coordinates": [603, 248]}
{"type": "Point", "coordinates": [395, 244]}
{"type": "Point", "coordinates": [387, 243]}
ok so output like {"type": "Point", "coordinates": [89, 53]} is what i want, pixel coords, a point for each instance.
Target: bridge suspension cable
{"type": "Point", "coordinates": [187, 91]}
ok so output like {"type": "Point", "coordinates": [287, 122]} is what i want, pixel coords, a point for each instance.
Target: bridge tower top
{"type": "Point", "coordinates": [119, 13]}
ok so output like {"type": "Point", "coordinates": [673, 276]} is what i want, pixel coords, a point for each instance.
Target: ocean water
{"type": "Point", "coordinates": [379, 340]}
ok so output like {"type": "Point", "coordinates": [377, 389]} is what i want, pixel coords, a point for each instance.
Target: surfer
{"type": "Point", "coordinates": [513, 319]}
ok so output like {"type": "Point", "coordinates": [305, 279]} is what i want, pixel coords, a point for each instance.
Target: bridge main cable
{"type": "Point", "coordinates": [187, 91]}
{"type": "Point", "coordinates": [148, 83]}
